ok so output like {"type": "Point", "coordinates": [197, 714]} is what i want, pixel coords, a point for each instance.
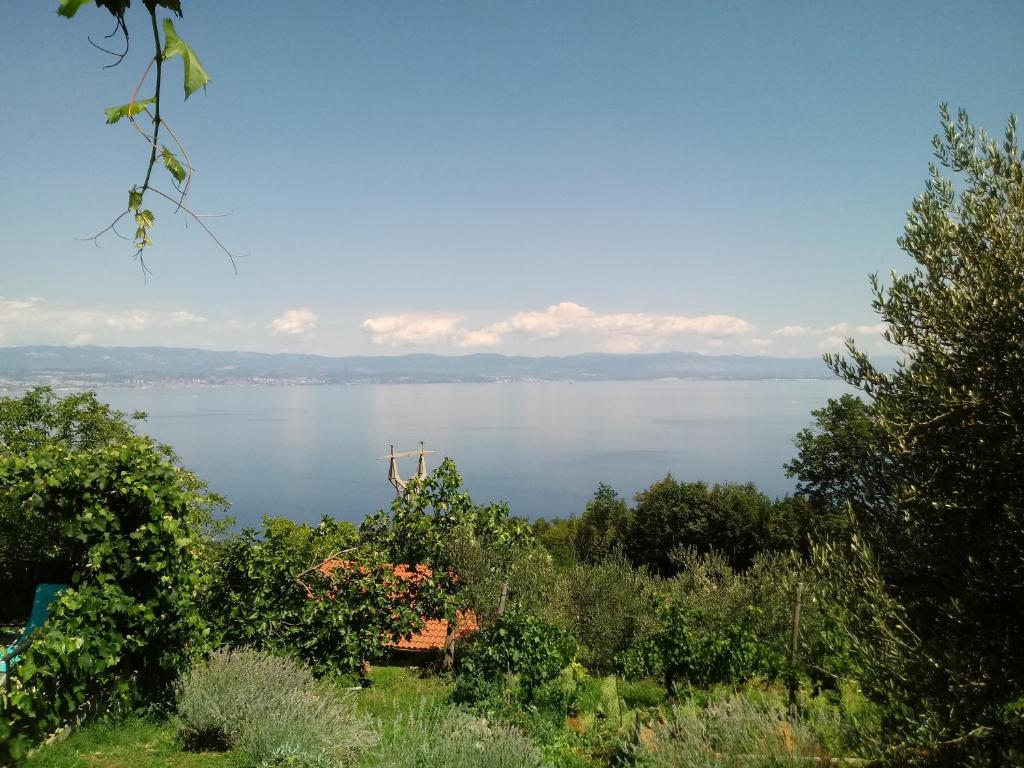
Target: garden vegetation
{"type": "Point", "coordinates": [873, 616]}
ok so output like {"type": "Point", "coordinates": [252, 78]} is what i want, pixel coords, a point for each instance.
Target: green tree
{"type": "Point", "coordinates": [946, 525]}
{"type": "Point", "coordinates": [40, 418]}
{"type": "Point", "coordinates": [604, 527]}
{"type": "Point", "coordinates": [557, 537]}
{"type": "Point", "coordinates": [840, 459]}
{"type": "Point", "coordinates": [667, 515]}
{"type": "Point", "coordinates": [736, 520]}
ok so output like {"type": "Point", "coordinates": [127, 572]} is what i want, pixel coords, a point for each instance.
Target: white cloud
{"type": "Point", "coordinates": [871, 329]}
{"type": "Point", "coordinates": [792, 330]}
{"type": "Point", "coordinates": [761, 343]}
{"type": "Point", "coordinates": [615, 332]}
{"type": "Point", "coordinates": [837, 328]}
{"type": "Point", "coordinates": [36, 321]}
{"type": "Point", "coordinates": [832, 343]}
{"type": "Point", "coordinates": [184, 317]}
{"type": "Point", "coordinates": [294, 322]}
{"type": "Point", "coordinates": [485, 337]}
{"type": "Point", "coordinates": [400, 330]}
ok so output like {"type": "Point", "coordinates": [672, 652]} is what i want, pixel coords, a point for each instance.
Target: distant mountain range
{"type": "Point", "coordinates": [89, 366]}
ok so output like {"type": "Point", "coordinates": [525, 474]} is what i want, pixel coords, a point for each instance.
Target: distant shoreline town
{"type": "Point", "coordinates": [84, 367]}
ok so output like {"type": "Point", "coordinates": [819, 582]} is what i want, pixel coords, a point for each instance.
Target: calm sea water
{"type": "Point", "coordinates": [304, 452]}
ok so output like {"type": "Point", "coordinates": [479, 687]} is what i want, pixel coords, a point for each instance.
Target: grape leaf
{"type": "Point", "coordinates": [144, 219]}
{"type": "Point", "coordinates": [172, 164]}
{"type": "Point", "coordinates": [195, 76]}
{"type": "Point", "coordinates": [127, 110]}
{"type": "Point", "coordinates": [68, 8]}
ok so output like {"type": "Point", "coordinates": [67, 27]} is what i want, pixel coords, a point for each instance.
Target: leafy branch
{"type": "Point", "coordinates": [175, 161]}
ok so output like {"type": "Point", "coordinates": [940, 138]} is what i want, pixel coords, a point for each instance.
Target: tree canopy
{"type": "Point", "coordinates": [930, 463]}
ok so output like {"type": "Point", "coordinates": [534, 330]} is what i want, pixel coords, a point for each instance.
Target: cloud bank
{"type": "Point", "coordinates": [621, 332]}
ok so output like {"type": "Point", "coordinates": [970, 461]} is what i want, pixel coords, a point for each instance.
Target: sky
{"type": "Point", "coordinates": [522, 177]}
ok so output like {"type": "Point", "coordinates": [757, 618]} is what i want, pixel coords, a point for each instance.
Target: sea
{"type": "Point", "coordinates": [543, 447]}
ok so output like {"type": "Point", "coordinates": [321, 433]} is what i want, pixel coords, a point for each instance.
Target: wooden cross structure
{"type": "Point", "coordinates": [394, 478]}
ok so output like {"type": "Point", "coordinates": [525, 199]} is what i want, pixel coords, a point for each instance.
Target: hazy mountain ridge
{"type": "Point", "coordinates": [139, 365]}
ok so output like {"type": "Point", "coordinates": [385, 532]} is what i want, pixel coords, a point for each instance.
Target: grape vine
{"type": "Point", "coordinates": [175, 161]}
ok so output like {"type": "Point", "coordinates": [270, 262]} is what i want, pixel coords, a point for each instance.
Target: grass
{"type": "Point", "coordinates": [404, 699]}
{"type": "Point", "coordinates": [129, 743]}
{"type": "Point", "coordinates": [395, 690]}
{"type": "Point", "coordinates": [143, 743]}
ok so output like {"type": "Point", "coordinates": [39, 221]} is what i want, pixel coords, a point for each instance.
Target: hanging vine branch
{"type": "Point", "coordinates": [175, 161]}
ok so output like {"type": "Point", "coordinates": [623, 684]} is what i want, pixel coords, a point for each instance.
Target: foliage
{"type": "Point", "coordinates": [526, 574]}
{"type": "Point", "coordinates": [840, 460]}
{"type": "Point", "coordinates": [270, 709]}
{"type": "Point", "coordinates": [126, 515]}
{"type": "Point", "coordinates": [945, 530]}
{"type": "Point", "coordinates": [603, 529]}
{"type": "Point", "coordinates": [609, 606]}
{"type": "Point", "coordinates": [733, 730]}
{"type": "Point", "coordinates": [720, 625]}
{"type": "Point", "coordinates": [702, 648]}
{"type": "Point", "coordinates": [736, 520]}
{"type": "Point", "coordinates": [76, 422]}
{"type": "Point", "coordinates": [435, 523]}
{"type": "Point", "coordinates": [175, 162]}
{"type": "Point", "coordinates": [517, 644]}
{"type": "Point", "coordinates": [447, 737]}
{"type": "Point", "coordinates": [265, 593]}
{"type": "Point", "coordinates": [556, 536]}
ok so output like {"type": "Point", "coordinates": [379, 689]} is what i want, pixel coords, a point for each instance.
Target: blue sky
{"type": "Point", "coordinates": [518, 177]}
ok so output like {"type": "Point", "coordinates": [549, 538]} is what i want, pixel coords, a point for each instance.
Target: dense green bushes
{"type": "Point", "coordinates": [126, 517]}
{"type": "Point", "coordinates": [609, 606]}
{"type": "Point", "coordinates": [517, 648]}
{"type": "Point", "coordinates": [736, 521]}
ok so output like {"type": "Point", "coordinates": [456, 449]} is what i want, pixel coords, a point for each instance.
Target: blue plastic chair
{"type": "Point", "coordinates": [45, 595]}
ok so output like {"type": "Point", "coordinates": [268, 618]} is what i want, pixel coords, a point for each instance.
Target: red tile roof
{"type": "Point", "coordinates": [435, 631]}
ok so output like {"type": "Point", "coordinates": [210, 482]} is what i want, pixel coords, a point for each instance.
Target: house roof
{"type": "Point", "coordinates": [435, 631]}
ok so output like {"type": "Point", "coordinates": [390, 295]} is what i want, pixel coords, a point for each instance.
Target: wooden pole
{"type": "Point", "coordinates": [794, 650]}
{"type": "Point", "coordinates": [503, 600]}
{"type": "Point", "coordinates": [448, 662]}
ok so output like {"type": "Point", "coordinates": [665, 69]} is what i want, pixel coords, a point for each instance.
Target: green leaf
{"type": "Point", "coordinates": [172, 164]}
{"type": "Point", "coordinates": [68, 8]}
{"type": "Point", "coordinates": [134, 199]}
{"type": "Point", "coordinates": [126, 110]}
{"type": "Point", "coordinates": [195, 76]}
{"type": "Point", "coordinates": [144, 219]}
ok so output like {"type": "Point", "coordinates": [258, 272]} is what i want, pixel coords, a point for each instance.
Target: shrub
{"type": "Point", "coordinates": [702, 648]}
{"type": "Point", "coordinates": [732, 732]}
{"type": "Point", "coordinates": [270, 709]}
{"type": "Point", "coordinates": [450, 738]}
{"type": "Point", "coordinates": [519, 645]}
{"type": "Point", "coordinates": [131, 522]}
{"type": "Point", "coordinates": [609, 606]}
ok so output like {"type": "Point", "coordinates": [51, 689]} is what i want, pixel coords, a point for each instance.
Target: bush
{"type": "Point", "coordinates": [270, 709]}
{"type": "Point", "coordinates": [130, 521]}
{"type": "Point", "coordinates": [609, 606]}
{"type": "Point", "coordinates": [449, 738]}
{"type": "Point", "coordinates": [737, 731]}
{"type": "Point", "coordinates": [517, 645]}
